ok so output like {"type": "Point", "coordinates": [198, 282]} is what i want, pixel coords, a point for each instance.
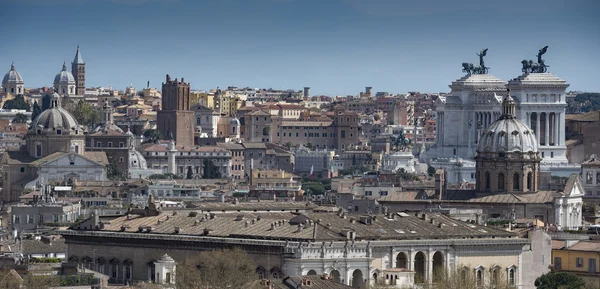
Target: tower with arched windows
{"type": "Point", "coordinates": [507, 158]}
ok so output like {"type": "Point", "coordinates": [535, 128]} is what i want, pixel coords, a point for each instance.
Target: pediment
{"type": "Point", "coordinates": [70, 160]}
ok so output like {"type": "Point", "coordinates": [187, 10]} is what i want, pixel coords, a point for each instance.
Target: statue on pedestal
{"type": "Point", "coordinates": [540, 67]}
{"type": "Point", "coordinates": [469, 68]}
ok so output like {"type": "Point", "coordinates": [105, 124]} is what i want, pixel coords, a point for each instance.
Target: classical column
{"type": "Point", "coordinates": [561, 125]}
{"type": "Point", "coordinates": [474, 128]}
{"type": "Point", "coordinates": [429, 269]}
{"type": "Point", "coordinates": [547, 127]}
{"type": "Point", "coordinates": [538, 133]}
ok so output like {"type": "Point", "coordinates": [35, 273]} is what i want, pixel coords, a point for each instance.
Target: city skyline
{"type": "Point", "coordinates": [336, 48]}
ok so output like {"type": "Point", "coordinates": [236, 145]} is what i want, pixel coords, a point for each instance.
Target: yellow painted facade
{"type": "Point", "coordinates": [487, 262]}
{"type": "Point", "coordinates": [202, 98]}
{"type": "Point", "coordinates": [568, 260]}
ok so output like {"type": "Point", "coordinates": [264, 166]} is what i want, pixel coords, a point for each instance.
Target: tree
{"type": "Point", "coordinates": [559, 280]}
{"type": "Point", "coordinates": [37, 109]}
{"type": "Point", "coordinates": [266, 130]}
{"type": "Point", "coordinates": [20, 118]}
{"type": "Point", "coordinates": [404, 175]}
{"type": "Point", "coordinates": [113, 172]}
{"type": "Point", "coordinates": [17, 103]}
{"type": "Point", "coordinates": [84, 113]}
{"type": "Point", "coordinates": [465, 278]}
{"type": "Point", "coordinates": [376, 117]}
{"type": "Point", "coordinates": [430, 170]}
{"type": "Point", "coordinates": [190, 174]}
{"type": "Point", "coordinates": [152, 136]}
{"type": "Point", "coordinates": [210, 170]}
{"type": "Point", "coordinates": [46, 100]}
{"type": "Point", "coordinates": [217, 269]}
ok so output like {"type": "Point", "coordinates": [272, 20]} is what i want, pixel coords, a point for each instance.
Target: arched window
{"type": "Point", "coordinates": [479, 276]}
{"type": "Point", "coordinates": [529, 181]}
{"type": "Point", "coordinates": [511, 275]}
{"type": "Point", "coordinates": [501, 182]}
{"type": "Point", "coordinates": [487, 180]}
{"type": "Point", "coordinates": [516, 182]}
{"type": "Point", "coordinates": [588, 178]}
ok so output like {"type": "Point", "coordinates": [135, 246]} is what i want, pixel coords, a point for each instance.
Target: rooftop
{"type": "Point", "coordinates": [299, 227]}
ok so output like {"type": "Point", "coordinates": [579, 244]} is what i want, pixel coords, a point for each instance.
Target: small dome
{"type": "Point", "coordinates": [137, 161]}
{"type": "Point", "coordinates": [52, 118]}
{"type": "Point", "coordinates": [234, 121]}
{"type": "Point", "coordinates": [12, 76]}
{"type": "Point", "coordinates": [64, 77]}
{"type": "Point", "coordinates": [508, 133]}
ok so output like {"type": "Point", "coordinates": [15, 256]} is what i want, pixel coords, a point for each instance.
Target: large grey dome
{"type": "Point", "coordinates": [508, 133]}
{"type": "Point", "coordinates": [64, 77]}
{"type": "Point", "coordinates": [12, 76]}
{"type": "Point", "coordinates": [54, 117]}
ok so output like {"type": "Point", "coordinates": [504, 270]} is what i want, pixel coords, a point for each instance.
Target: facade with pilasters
{"type": "Point", "coordinates": [355, 250]}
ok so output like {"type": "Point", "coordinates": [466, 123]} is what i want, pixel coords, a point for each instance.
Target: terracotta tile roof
{"type": "Point", "coordinates": [585, 246]}
{"type": "Point", "coordinates": [254, 145]}
{"type": "Point", "coordinates": [163, 148]}
{"type": "Point", "coordinates": [99, 157]}
{"type": "Point", "coordinates": [32, 246]}
{"type": "Point", "coordinates": [558, 244]}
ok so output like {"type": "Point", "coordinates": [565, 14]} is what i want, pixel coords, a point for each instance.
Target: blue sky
{"type": "Point", "coordinates": [337, 47]}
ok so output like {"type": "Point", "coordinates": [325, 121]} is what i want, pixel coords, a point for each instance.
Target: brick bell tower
{"type": "Point", "coordinates": [78, 71]}
{"type": "Point", "coordinates": [175, 119]}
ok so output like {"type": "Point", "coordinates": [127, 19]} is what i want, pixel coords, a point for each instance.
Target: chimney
{"type": "Point", "coordinates": [300, 226]}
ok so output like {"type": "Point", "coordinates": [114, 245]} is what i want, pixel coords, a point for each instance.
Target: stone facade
{"type": "Point", "coordinates": [78, 71]}
{"type": "Point", "coordinates": [356, 258]}
{"type": "Point", "coordinates": [175, 118]}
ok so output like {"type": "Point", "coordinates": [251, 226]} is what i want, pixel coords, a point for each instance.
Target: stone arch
{"type": "Point", "coordinates": [438, 266]}
{"type": "Point", "coordinates": [516, 179]}
{"type": "Point", "coordinates": [335, 275]}
{"type": "Point", "coordinates": [401, 260]}
{"type": "Point", "coordinates": [357, 279]}
{"type": "Point", "coordinates": [501, 182]}
{"type": "Point", "coordinates": [419, 267]}
{"type": "Point", "coordinates": [311, 273]}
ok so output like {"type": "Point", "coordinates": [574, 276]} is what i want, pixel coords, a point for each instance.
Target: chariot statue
{"type": "Point", "coordinates": [532, 67]}
{"type": "Point", "coordinates": [469, 68]}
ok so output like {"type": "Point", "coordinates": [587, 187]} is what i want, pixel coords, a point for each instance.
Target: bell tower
{"type": "Point", "coordinates": [78, 71]}
{"type": "Point", "coordinates": [175, 118]}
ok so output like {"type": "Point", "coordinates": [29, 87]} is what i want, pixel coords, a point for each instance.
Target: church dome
{"type": "Point", "coordinates": [508, 133]}
{"type": "Point", "coordinates": [54, 117]}
{"type": "Point", "coordinates": [137, 161]}
{"type": "Point", "coordinates": [12, 76]}
{"type": "Point", "coordinates": [64, 76]}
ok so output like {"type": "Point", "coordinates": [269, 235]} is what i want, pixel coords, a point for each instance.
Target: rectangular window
{"type": "Point", "coordinates": [110, 144]}
{"type": "Point", "coordinates": [557, 263]}
{"type": "Point", "coordinates": [59, 132]}
{"type": "Point", "coordinates": [579, 262]}
{"type": "Point", "coordinates": [121, 144]}
{"type": "Point", "coordinates": [16, 219]}
{"type": "Point", "coordinates": [29, 219]}
{"type": "Point", "coordinates": [38, 150]}
{"type": "Point", "coordinates": [99, 144]}
{"type": "Point", "coordinates": [343, 135]}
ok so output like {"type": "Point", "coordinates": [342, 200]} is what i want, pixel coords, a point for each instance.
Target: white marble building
{"type": "Point", "coordinates": [474, 103]}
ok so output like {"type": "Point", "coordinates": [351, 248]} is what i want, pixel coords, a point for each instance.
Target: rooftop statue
{"type": "Point", "coordinates": [469, 68]}
{"type": "Point", "coordinates": [540, 67]}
